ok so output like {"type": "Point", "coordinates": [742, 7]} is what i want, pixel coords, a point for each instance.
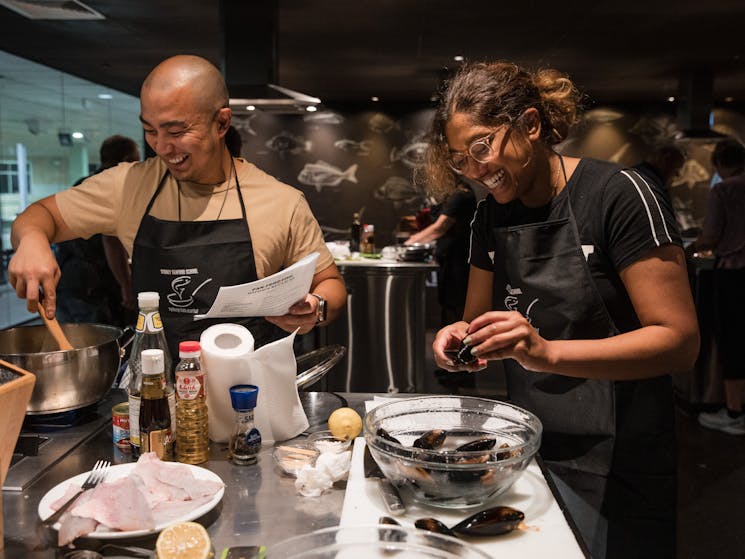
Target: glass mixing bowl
{"type": "Point", "coordinates": [385, 541]}
{"type": "Point", "coordinates": [505, 437]}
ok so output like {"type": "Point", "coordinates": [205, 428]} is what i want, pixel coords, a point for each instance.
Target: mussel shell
{"type": "Point", "coordinates": [490, 522]}
{"type": "Point", "coordinates": [431, 440]}
{"type": "Point", "coordinates": [478, 444]}
{"type": "Point", "coordinates": [434, 525]}
{"type": "Point", "coordinates": [383, 434]}
{"type": "Point", "coordinates": [387, 535]}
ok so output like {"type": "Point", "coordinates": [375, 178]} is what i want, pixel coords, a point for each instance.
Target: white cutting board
{"type": "Point", "coordinates": [551, 535]}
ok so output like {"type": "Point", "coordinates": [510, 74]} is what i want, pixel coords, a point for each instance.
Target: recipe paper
{"type": "Point", "coordinates": [270, 296]}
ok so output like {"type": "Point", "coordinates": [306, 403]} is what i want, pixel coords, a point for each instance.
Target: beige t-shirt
{"type": "Point", "coordinates": [113, 202]}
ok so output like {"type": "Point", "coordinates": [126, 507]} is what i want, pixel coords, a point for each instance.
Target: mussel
{"type": "Point", "coordinates": [478, 444]}
{"type": "Point", "coordinates": [431, 440]}
{"type": "Point", "coordinates": [490, 522]}
{"type": "Point", "coordinates": [387, 535]}
{"type": "Point", "coordinates": [383, 434]}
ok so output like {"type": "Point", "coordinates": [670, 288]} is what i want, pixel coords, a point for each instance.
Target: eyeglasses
{"type": "Point", "coordinates": [480, 150]}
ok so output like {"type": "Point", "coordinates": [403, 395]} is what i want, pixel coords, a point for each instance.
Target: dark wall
{"type": "Point", "coordinates": [344, 162]}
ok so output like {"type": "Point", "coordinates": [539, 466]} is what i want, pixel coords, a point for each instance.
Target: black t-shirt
{"type": "Point", "coordinates": [619, 216]}
{"type": "Point", "coordinates": [460, 206]}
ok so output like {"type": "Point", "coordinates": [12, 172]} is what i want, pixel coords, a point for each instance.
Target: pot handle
{"type": "Point", "coordinates": [127, 335]}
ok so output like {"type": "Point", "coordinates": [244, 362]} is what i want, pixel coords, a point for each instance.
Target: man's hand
{"type": "Point", "coordinates": [33, 266]}
{"type": "Point", "coordinates": [302, 315]}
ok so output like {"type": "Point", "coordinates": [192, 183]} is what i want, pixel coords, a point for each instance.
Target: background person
{"type": "Point", "coordinates": [96, 281]}
{"type": "Point", "coordinates": [193, 218]}
{"type": "Point", "coordinates": [661, 165]}
{"type": "Point", "coordinates": [724, 233]}
{"type": "Point", "coordinates": [578, 282]}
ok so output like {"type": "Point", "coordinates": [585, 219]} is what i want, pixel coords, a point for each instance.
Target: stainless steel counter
{"type": "Point", "coordinates": [260, 505]}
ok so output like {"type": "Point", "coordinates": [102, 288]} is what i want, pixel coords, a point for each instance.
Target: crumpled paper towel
{"type": "Point", "coordinates": [330, 466]}
{"type": "Point", "coordinates": [229, 357]}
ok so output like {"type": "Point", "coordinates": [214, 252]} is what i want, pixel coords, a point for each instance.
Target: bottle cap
{"type": "Point", "coordinates": [243, 396]}
{"type": "Point", "coordinates": [152, 361]}
{"type": "Point", "coordinates": [189, 349]}
{"type": "Point", "coordinates": [148, 299]}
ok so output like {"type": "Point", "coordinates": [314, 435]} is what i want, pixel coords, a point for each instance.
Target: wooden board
{"type": "Point", "coordinates": [14, 397]}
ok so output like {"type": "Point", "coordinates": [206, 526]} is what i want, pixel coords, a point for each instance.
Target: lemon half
{"type": "Point", "coordinates": [185, 540]}
{"type": "Point", "coordinates": [345, 423]}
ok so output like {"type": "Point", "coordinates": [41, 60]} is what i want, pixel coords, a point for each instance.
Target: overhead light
{"type": "Point", "coordinates": [270, 98]}
{"type": "Point", "coordinates": [77, 135]}
{"type": "Point", "coordinates": [458, 58]}
{"type": "Point", "coordinates": [311, 108]}
{"type": "Point", "coordinates": [729, 99]}
{"type": "Point", "coordinates": [53, 9]}
{"type": "Point", "coordinates": [250, 107]}
{"type": "Point", "coordinates": [671, 99]}
{"type": "Point", "coordinates": [105, 96]}
{"type": "Point", "coordinates": [374, 99]}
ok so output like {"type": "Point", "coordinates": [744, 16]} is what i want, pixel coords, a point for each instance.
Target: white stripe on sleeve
{"type": "Point", "coordinates": [643, 189]}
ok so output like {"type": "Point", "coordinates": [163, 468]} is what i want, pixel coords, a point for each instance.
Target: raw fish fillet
{"type": "Point", "coordinates": [72, 526]}
{"type": "Point", "coordinates": [170, 481]}
{"type": "Point", "coordinates": [119, 505]}
{"type": "Point", "coordinates": [169, 511]}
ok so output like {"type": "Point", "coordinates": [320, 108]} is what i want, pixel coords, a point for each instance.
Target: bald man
{"type": "Point", "coordinates": [192, 219]}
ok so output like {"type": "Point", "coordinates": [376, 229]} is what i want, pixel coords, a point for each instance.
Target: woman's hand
{"type": "Point", "coordinates": [502, 335]}
{"type": "Point", "coordinates": [449, 339]}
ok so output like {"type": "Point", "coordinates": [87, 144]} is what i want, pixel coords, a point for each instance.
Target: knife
{"type": "Point", "coordinates": [389, 492]}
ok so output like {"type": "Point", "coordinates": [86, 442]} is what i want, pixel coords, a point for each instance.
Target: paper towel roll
{"type": "Point", "coordinates": [226, 352]}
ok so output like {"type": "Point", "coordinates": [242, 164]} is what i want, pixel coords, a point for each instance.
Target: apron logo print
{"type": "Point", "coordinates": [178, 298]}
{"type": "Point", "coordinates": [511, 301]}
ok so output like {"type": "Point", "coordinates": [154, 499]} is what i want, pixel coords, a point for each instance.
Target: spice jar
{"type": "Point", "coordinates": [245, 442]}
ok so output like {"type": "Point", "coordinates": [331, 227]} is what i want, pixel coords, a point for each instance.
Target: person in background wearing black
{"type": "Point", "coordinates": [724, 233]}
{"type": "Point", "coordinates": [451, 229]}
{"type": "Point", "coordinates": [661, 166]}
{"type": "Point", "coordinates": [96, 280]}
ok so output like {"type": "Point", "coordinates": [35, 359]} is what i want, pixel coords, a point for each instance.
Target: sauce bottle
{"type": "Point", "coordinates": [156, 434]}
{"type": "Point", "coordinates": [192, 440]}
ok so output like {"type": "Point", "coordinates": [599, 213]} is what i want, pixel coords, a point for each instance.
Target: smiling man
{"type": "Point", "coordinates": [192, 219]}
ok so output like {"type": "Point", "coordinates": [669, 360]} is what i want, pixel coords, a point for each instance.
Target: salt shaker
{"type": "Point", "coordinates": [245, 442]}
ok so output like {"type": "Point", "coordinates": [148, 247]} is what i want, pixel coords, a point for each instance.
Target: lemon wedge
{"type": "Point", "coordinates": [345, 424]}
{"type": "Point", "coordinates": [185, 540]}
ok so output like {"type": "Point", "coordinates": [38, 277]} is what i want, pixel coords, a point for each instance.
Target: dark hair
{"type": "Point", "coordinates": [233, 141]}
{"type": "Point", "coordinates": [729, 154]}
{"type": "Point", "coordinates": [493, 93]}
{"type": "Point", "coordinates": [116, 149]}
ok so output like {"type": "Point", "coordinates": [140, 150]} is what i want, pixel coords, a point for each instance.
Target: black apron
{"type": "Point", "coordinates": [187, 262]}
{"type": "Point", "coordinates": [541, 271]}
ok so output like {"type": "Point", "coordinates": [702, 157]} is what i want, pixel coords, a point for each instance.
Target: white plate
{"type": "Point", "coordinates": [120, 471]}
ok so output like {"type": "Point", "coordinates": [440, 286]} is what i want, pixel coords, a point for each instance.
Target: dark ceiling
{"type": "Point", "coordinates": [627, 51]}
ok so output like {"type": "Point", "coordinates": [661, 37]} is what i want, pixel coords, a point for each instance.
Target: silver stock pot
{"type": "Point", "coordinates": [66, 380]}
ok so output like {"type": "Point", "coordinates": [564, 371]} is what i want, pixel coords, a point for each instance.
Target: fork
{"type": "Point", "coordinates": [96, 476]}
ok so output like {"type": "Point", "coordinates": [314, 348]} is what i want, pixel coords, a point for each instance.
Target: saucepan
{"type": "Point", "coordinates": [70, 379]}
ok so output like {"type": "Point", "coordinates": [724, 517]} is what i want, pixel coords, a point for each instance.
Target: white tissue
{"type": "Point", "coordinates": [229, 357]}
{"type": "Point", "coordinates": [330, 467]}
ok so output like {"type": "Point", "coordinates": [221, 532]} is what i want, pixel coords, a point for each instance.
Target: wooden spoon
{"type": "Point", "coordinates": [55, 329]}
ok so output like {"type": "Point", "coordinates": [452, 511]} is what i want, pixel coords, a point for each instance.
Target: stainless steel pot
{"type": "Point", "coordinates": [66, 380]}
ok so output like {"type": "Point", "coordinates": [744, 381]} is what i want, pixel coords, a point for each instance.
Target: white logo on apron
{"type": "Point", "coordinates": [512, 301]}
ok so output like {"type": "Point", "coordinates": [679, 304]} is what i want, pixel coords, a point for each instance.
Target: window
{"type": "Point", "coordinates": [9, 177]}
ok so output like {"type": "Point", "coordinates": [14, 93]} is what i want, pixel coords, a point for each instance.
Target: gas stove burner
{"type": "Point", "coordinates": [61, 420]}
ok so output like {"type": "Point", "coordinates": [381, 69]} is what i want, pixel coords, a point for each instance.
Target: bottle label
{"type": "Point", "coordinates": [160, 442]}
{"type": "Point", "coordinates": [189, 386]}
{"type": "Point", "coordinates": [253, 439]}
{"type": "Point", "coordinates": [149, 322]}
{"type": "Point", "coordinates": [134, 420]}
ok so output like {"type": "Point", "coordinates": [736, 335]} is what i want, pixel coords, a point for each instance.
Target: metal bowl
{"type": "Point", "coordinates": [65, 380]}
{"type": "Point", "coordinates": [446, 477]}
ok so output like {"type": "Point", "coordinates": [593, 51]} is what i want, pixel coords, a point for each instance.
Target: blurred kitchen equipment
{"type": "Point", "coordinates": [314, 365]}
{"type": "Point", "coordinates": [416, 252]}
{"type": "Point", "coordinates": [16, 385]}
{"type": "Point", "coordinates": [72, 379]}
{"type": "Point", "coordinates": [55, 329]}
{"type": "Point", "coordinates": [388, 491]}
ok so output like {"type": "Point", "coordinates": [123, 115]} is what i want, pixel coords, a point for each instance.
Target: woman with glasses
{"type": "Point", "coordinates": [578, 282]}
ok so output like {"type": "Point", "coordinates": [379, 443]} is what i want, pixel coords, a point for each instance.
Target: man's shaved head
{"type": "Point", "coordinates": [192, 74]}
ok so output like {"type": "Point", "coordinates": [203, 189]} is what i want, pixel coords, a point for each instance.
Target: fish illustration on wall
{"type": "Point", "coordinates": [401, 192]}
{"type": "Point", "coordinates": [320, 174]}
{"type": "Point", "coordinates": [381, 123]}
{"type": "Point", "coordinates": [285, 143]}
{"type": "Point", "coordinates": [324, 117]}
{"type": "Point", "coordinates": [360, 148]}
{"type": "Point", "coordinates": [243, 122]}
{"type": "Point", "coordinates": [412, 153]}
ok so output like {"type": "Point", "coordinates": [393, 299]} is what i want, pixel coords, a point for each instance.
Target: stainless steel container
{"type": "Point", "coordinates": [66, 380]}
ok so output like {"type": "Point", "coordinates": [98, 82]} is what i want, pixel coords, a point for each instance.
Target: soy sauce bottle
{"type": "Point", "coordinates": [156, 434]}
